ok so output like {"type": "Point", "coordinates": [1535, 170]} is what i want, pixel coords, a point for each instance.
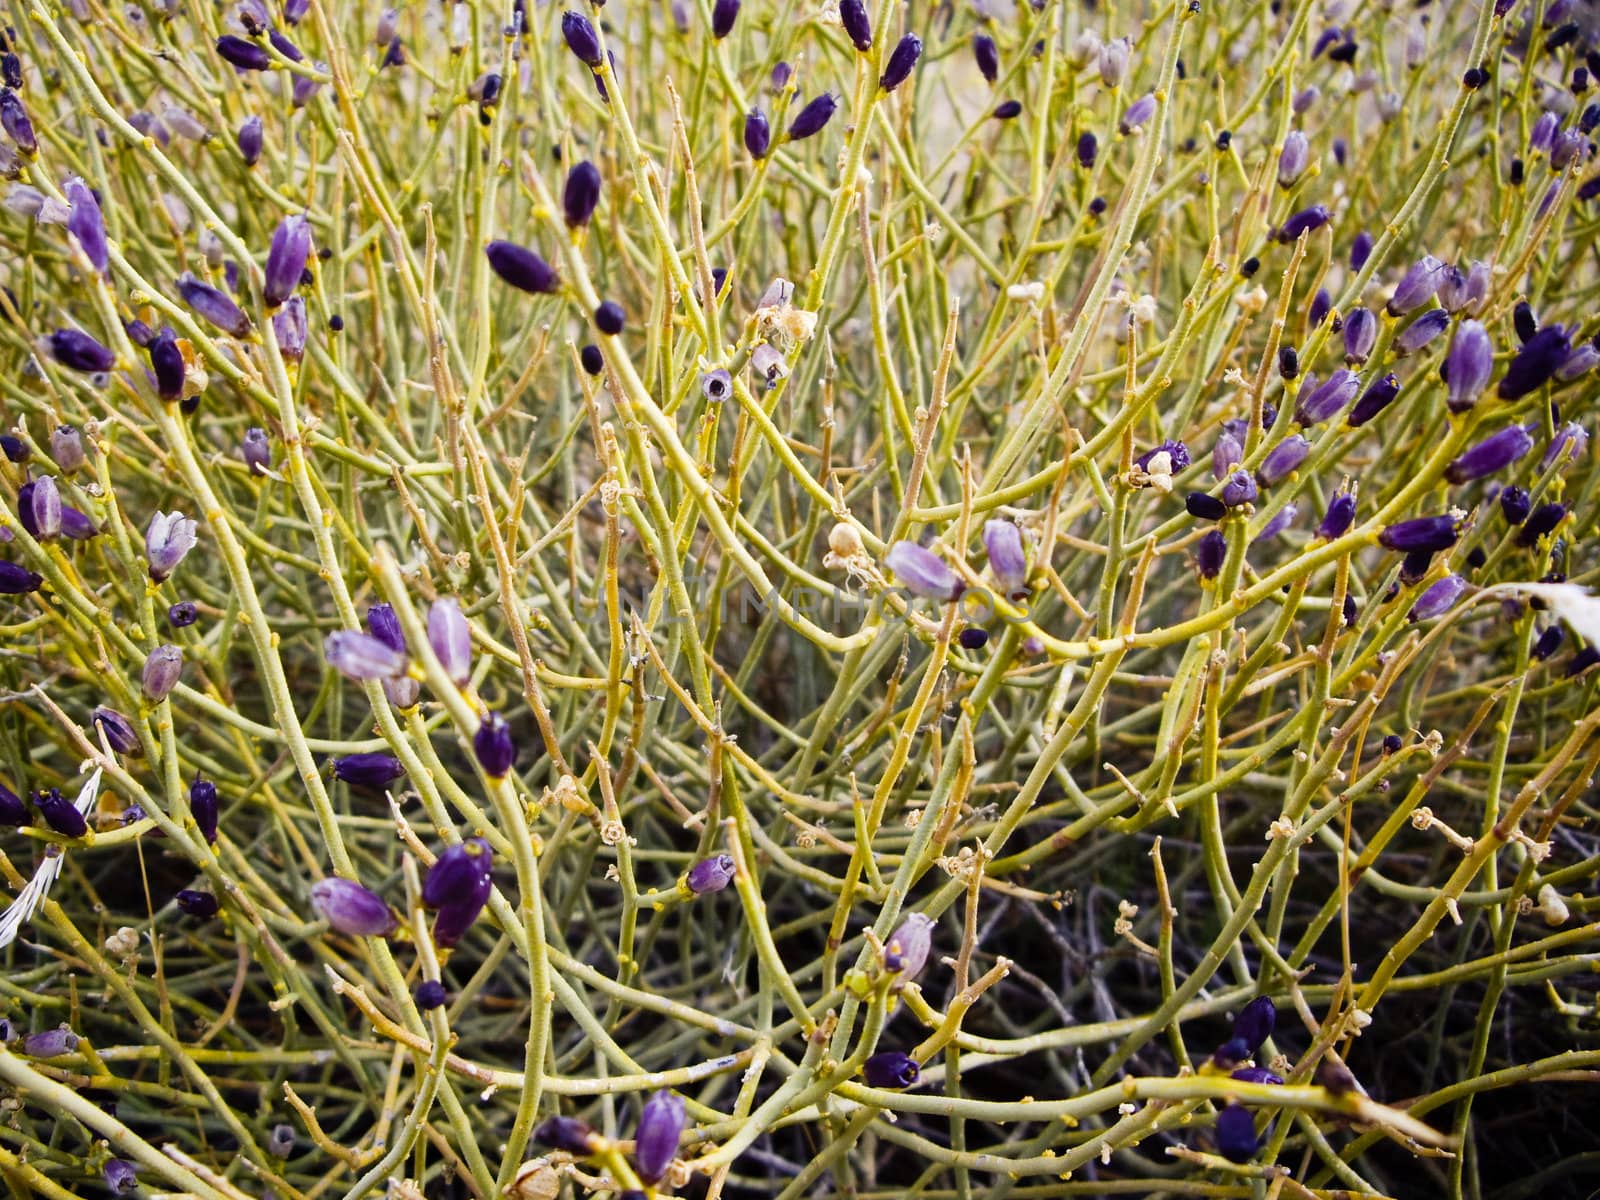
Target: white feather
{"type": "Point", "coordinates": [33, 895]}
{"type": "Point", "coordinates": [1573, 603]}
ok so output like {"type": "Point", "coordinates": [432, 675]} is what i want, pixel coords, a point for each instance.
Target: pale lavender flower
{"type": "Point", "coordinates": [923, 572]}
{"type": "Point", "coordinates": [350, 908]}
{"type": "Point", "coordinates": [1468, 365]}
{"type": "Point", "coordinates": [66, 447]}
{"type": "Point", "coordinates": [655, 1142]}
{"type": "Point", "coordinates": [1327, 398]}
{"type": "Point", "coordinates": [1280, 521]}
{"type": "Point", "coordinates": [86, 224]}
{"type": "Point", "coordinates": [45, 501]}
{"type": "Point", "coordinates": [1438, 599]}
{"type": "Point", "coordinates": [213, 305]}
{"type": "Point", "coordinates": [710, 874]}
{"type": "Point", "coordinates": [1417, 286]}
{"type": "Point", "coordinates": [451, 639]}
{"type": "Point", "coordinates": [167, 541]}
{"type": "Point", "coordinates": [1293, 158]}
{"type": "Point", "coordinates": [1422, 331]}
{"type": "Point", "coordinates": [286, 259]}
{"type": "Point", "coordinates": [1360, 335]}
{"type": "Point", "coordinates": [1493, 454]}
{"type": "Point", "coordinates": [1571, 440]}
{"type": "Point", "coordinates": [1139, 114]}
{"type": "Point", "coordinates": [360, 656]}
{"type": "Point", "coordinates": [1282, 459]}
{"type": "Point", "coordinates": [906, 951]}
{"type": "Point", "coordinates": [1007, 557]}
{"type": "Point", "coordinates": [162, 670]}
{"type": "Point", "coordinates": [290, 329]}
{"type": "Point", "coordinates": [1583, 359]}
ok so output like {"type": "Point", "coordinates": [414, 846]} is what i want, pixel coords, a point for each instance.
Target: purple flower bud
{"type": "Point", "coordinates": [923, 572]}
{"type": "Point", "coordinates": [710, 874]}
{"type": "Point", "coordinates": [1535, 362]}
{"type": "Point", "coordinates": [1280, 521]}
{"type": "Point", "coordinates": [1543, 133]}
{"type": "Point", "coordinates": [286, 258]}
{"type": "Point", "coordinates": [1439, 599]}
{"type": "Point", "coordinates": [460, 874]}
{"type": "Point", "coordinates": [383, 624]}
{"type": "Point", "coordinates": [1239, 488]}
{"type": "Point", "coordinates": [1302, 222]}
{"type": "Point", "coordinates": [906, 951]}
{"type": "Point", "coordinates": [256, 450]}
{"type": "Point", "coordinates": [1209, 554]}
{"type": "Point", "coordinates": [1321, 306]}
{"type": "Point", "coordinates": [182, 614]}
{"type": "Point", "coordinates": [581, 39]}
{"type": "Point", "coordinates": [857, 24]}
{"type": "Point", "coordinates": [1549, 642]}
{"type": "Point", "coordinates": [167, 542]}
{"type": "Point", "coordinates": [1305, 98]}
{"type": "Point", "coordinates": [14, 119]}
{"type": "Point", "coordinates": [1570, 146]}
{"type": "Point", "coordinates": [243, 54]}
{"type": "Point", "coordinates": [86, 224]}
{"type": "Point", "coordinates": [987, 56]}
{"type": "Point", "coordinates": [167, 365]}
{"type": "Point", "coordinates": [723, 14]}
{"type": "Point", "coordinates": [1293, 158]}
{"type": "Point", "coordinates": [118, 730]}
{"type": "Point", "coordinates": [1236, 1134]}
{"type": "Point", "coordinates": [1283, 459]}
{"type": "Point", "coordinates": [1495, 453]}
{"type": "Point", "coordinates": [902, 61]}
{"type": "Point", "coordinates": [1204, 506]}
{"type": "Point", "coordinates": [249, 139]}
{"type": "Point", "coordinates": [203, 808]}
{"type": "Point", "coordinates": [162, 670]}
{"type": "Point", "coordinates": [579, 199]}
{"type": "Point", "coordinates": [1571, 441]}
{"type": "Point", "coordinates": [1580, 361]}
{"type": "Point", "coordinates": [213, 305]}
{"type": "Point", "coordinates": [494, 747]}
{"type": "Point", "coordinates": [454, 922]}
{"type": "Point", "coordinates": [290, 329]}
{"type": "Point", "coordinates": [757, 133]}
{"type": "Point", "coordinates": [1582, 661]}
{"type": "Point", "coordinates": [1431, 534]}
{"type": "Point", "coordinates": [891, 1069]}
{"type": "Point", "coordinates": [1543, 520]}
{"type": "Point", "coordinates": [1468, 365]}
{"type": "Point", "coordinates": [77, 351]}
{"type": "Point", "coordinates": [1112, 61]}
{"type": "Point", "coordinates": [1360, 333]}
{"type": "Point", "coordinates": [66, 447]}
{"type": "Point", "coordinates": [1341, 513]}
{"type": "Point", "coordinates": [1417, 286]}
{"type": "Point", "coordinates": [51, 1043]}
{"type": "Point", "coordinates": [1008, 559]}
{"type": "Point", "coordinates": [44, 503]}
{"type": "Point", "coordinates": [610, 318]}
{"type": "Point", "coordinates": [121, 1176]}
{"type": "Point", "coordinates": [451, 639]}
{"type": "Point", "coordinates": [430, 994]}
{"type": "Point", "coordinates": [350, 908]}
{"type": "Point", "coordinates": [1422, 331]}
{"type": "Point", "coordinates": [372, 772]}
{"type": "Point", "coordinates": [566, 1133]}
{"type": "Point", "coordinates": [1257, 1075]}
{"type": "Point", "coordinates": [812, 117]}
{"type": "Point", "coordinates": [1378, 396]}
{"type": "Point", "coordinates": [13, 811]}
{"type": "Point", "coordinates": [16, 450]}
{"type": "Point", "coordinates": [1139, 114]}
{"type": "Point", "coordinates": [1227, 453]}
{"type": "Point", "coordinates": [1255, 1022]}
{"type": "Point", "coordinates": [661, 1126]}
{"type": "Point", "coordinates": [522, 268]}
{"type": "Point", "coordinates": [17, 580]}
{"type": "Point", "coordinates": [1327, 398]}
{"type": "Point", "coordinates": [60, 814]}
{"type": "Point", "coordinates": [361, 656]}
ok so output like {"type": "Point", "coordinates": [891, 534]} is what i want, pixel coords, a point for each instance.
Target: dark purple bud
{"type": "Point", "coordinates": [1088, 147]}
{"type": "Point", "coordinates": [430, 994]}
{"type": "Point", "coordinates": [1535, 363]}
{"type": "Point", "coordinates": [394, 54]}
{"type": "Point", "coordinates": [454, 922]}
{"type": "Point", "coordinates": [1582, 661]}
{"type": "Point", "coordinates": [350, 908]}
{"type": "Point", "coordinates": [710, 874]}
{"type": "Point", "coordinates": [987, 56]}
{"type": "Point", "coordinates": [857, 25]}
{"type": "Point", "coordinates": [906, 951]}
{"type": "Point", "coordinates": [460, 874]}
{"type": "Point", "coordinates": [1255, 1022]}
{"type": "Point", "coordinates": [1228, 452]}
{"type": "Point", "coordinates": [1328, 397]}
{"type": "Point", "coordinates": [723, 14]}
{"type": "Point", "coordinates": [203, 808]}
{"type": "Point", "coordinates": [494, 747]}
{"type": "Point", "coordinates": [592, 360]}
{"type": "Point", "coordinates": [1302, 222]}
{"type": "Point", "coordinates": [1439, 599]}
{"type": "Point", "coordinates": [1282, 459]}
{"type": "Point", "coordinates": [891, 1069]}
{"type": "Point", "coordinates": [1321, 306]}
{"type": "Point", "coordinates": [13, 811]}
{"type": "Point", "coordinates": [522, 268]}
{"type": "Point", "coordinates": [167, 365]}
{"type": "Point", "coordinates": [51, 1043]}
{"type": "Point", "coordinates": [661, 1126]}
{"type": "Point", "coordinates": [1008, 559]}
{"type": "Point", "coordinates": [1417, 286]}
{"type": "Point", "coordinates": [213, 305]}
{"type": "Point", "coordinates": [581, 39]}
{"type": "Point", "coordinates": [757, 133]}
{"type": "Point", "coordinates": [14, 119]}
{"type": "Point", "coordinates": [902, 61]}
{"type": "Point", "coordinates": [249, 139]}
{"type": "Point", "coordinates": [609, 317]}
{"type": "Point", "coordinates": [286, 258]}
{"type": "Point", "coordinates": [77, 351]}
{"type": "Point", "coordinates": [289, 328]}
{"type": "Point", "coordinates": [1413, 569]}
{"type": "Point", "coordinates": [1339, 517]}
{"type": "Point", "coordinates": [121, 1176]}
{"type": "Point", "coordinates": [162, 669]}
{"type": "Point", "coordinates": [1422, 331]}
{"type": "Point", "coordinates": [243, 54]}
{"type": "Point", "coordinates": [1549, 642]}
{"type": "Point", "coordinates": [1139, 114]}
{"type": "Point", "coordinates": [16, 450]}
{"type": "Point", "coordinates": [1543, 133]}
{"type": "Point", "coordinates": [1239, 488]}
{"type": "Point", "coordinates": [60, 814]}
{"type": "Point", "coordinates": [11, 70]}
{"type": "Point", "coordinates": [579, 199]}
{"type": "Point", "coordinates": [812, 117]}
{"type": "Point", "coordinates": [1378, 396]}
{"type": "Point", "coordinates": [1360, 333]}
{"type": "Point", "coordinates": [1495, 453]}
{"type": "Point", "coordinates": [972, 638]}
{"type": "Point", "coordinates": [1421, 533]}
{"type": "Point", "coordinates": [256, 450]}
{"type": "Point", "coordinates": [1468, 365]}
{"type": "Point", "coordinates": [566, 1133]}
{"type": "Point", "coordinates": [1515, 504]}
{"type": "Point", "coordinates": [1360, 250]}
{"type": "Point", "coordinates": [1236, 1131]}
{"type": "Point", "coordinates": [182, 614]}
{"type": "Point", "coordinates": [1570, 146]}
{"type": "Point", "coordinates": [17, 580]}
{"type": "Point", "coordinates": [372, 772]}
{"type": "Point", "coordinates": [923, 572]}
{"type": "Point", "coordinates": [1293, 158]}
{"type": "Point", "coordinates": [1541, 522]}
{"type": "Point", "coordinates": [118, 730]}
{"type": "Point", "coordinates": [86, 224]}
{"type": "Point", "coordinates": [1209, 554]}
{"type": "Point", "coordinates": [1326, 40]}
{"type": "Point", "coordinates": [1524, 321]}
{"type": "Point", "coordinates": [1257, 1075]}
{"type": "Point", "coordinates": [1205, 506]}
